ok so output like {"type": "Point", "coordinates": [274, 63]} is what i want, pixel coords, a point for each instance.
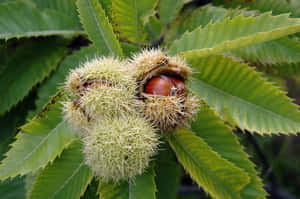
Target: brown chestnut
{"type": "Point", "coordinates": [158, 86]}
{"type": "Point", "coordinates": [165, 86]}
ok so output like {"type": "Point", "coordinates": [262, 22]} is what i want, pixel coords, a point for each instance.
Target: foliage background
{"type": "Point", "coordinates": [277, 157]}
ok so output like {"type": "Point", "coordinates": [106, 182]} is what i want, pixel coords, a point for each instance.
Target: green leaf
{"type": "Point", "coordinates": [295, 4]}
{"type": "Point", "coordinates": [282, 54]}
{"type": "Point", "coordinates": [106, 5]}
{"type": "Point", "coordinates": [282, 69]}
{"type": "Point", "coordinates": [168, 173]}
{"type": "Point", "coordinates": [221, 139]}
{"type": "Point", "coordinates": [128, 49]}
{"type": "Point", "coordinates": [67, 177]}
{"type": "Point", "coordinates": [51, 85]}
{"type": "Point", "coordinates": [10, 123]}
{"type": "Point", "coordinates": [47, 119]}
{"type": "Point", "coordinates": [242, 97]}
{"type": "Point", "coordinates": [220, 178]}
{"type": "Point", "coordinates": [276, 6]}
{"type": "Point", "coordinates": [4, 55]}
{"type": "Point", "coordinates": [143, 186]}
{"type": "Point", "coordinates": [190, 20]}
{"type": "Point", "coordinates": [13, 188]}
{"type": "Point", "coordinates": [223, 35]}
{"type": "Point", "coordinates": [29, 65]}
{"type": "Point", "coordinates": [10, 188]}
{"type": "Point", "coordinates": [68, 7]}
{"type": "Point", "coordinates": [43, 139]}
{"type": "Point", "coordinates": [29, 181]}
{"type": "Point", "coordinates": [168, 10]}
{"type": "Point", "coordinates": [153, 29]}
{"type": "Point", "coordinates": [23, 19]}
{"type": "Point", "coordinates": [129, 18]}
{"type": "Point", "coordinates": [208, 14]}
{"type": "Point", "coordinates": [92, 190]}
{"type": "Point", "coordinates": [97, 26]}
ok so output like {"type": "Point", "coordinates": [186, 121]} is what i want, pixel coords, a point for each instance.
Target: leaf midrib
{"type": "Point", "coordinates": [44, 139]}
{"type": "Point", "coordinates": [98, 26]}
{"type": "Point", "coordinates": [35, 149]}
{"type": "Point", "coordinates": [46, 32]}
{"type": "Point", "coordinates": [219, 47]}
{"type": "Point", "coordinates": [247, 102]}
{"type": "Point", "coordinates": [196, 163]}
{"type": "Point", "coordinates": [68, 179]}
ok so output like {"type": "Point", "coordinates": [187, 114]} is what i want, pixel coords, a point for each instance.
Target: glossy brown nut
{"type": "Point", "coordinates": [158, 86]}
{"type": "Point", "coordinates": [165, 86]}
{"type": "Point", "coordinates": [177, 86]}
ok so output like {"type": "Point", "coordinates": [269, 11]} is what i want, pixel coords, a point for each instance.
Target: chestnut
{"type": "Point", "coordinates": [165, 86]}
{"type": "Point", "coordinates": [165, 99]}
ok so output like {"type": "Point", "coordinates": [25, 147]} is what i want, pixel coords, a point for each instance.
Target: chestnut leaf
{"type": "Point", "coordinates": [220, 138]}
{"type": "Point", "coordinates": [40, 142]}
{"type": "Point", "coordinates": [142, 187]}
{"type": "Point", "coordinates": [168, 9]}
{"type": "Point", "coordinates": [168, 173]}
{"type": "Point", "coordinates": [24, 19]}
{"type": "Point", "coordinates": [67, 177]}
{"type": "Point", "coordinates": [67, 7]}
{"type": "Point", "coordinates": [98, 28]}
{"type": "Point", "coordinates": [280, 56]}
{"type": "Point", "coordinates": [129, 18]}
{"type": "Point", "coordinates": [216, 175]}
{"type": "Point", "coordinates": [236, 32]}
{"type": "Point", "coordinates": [241, 96]}
{"type": "Point", "coordinates": [25, 68]}
{"type": "Point", "coordinates": [276, 6]}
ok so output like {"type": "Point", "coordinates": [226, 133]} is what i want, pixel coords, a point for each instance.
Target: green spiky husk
{"type": "Point", "coordinates": [109, 71]}
{"type": "Point", "coordinates": [120, 147]}
{"type": "Point", "coordinates": [166, 112]}
{"type": "Point", "coordinates": [76, 116]}
{"type": "Point", "coordinates": [99, 89]}
{"type": "Point", "coordinates": [169, 112]}
{"type": "Point", "coordinates": [108, 101]}
{"type": "Point", "coordinates": [153, 62]}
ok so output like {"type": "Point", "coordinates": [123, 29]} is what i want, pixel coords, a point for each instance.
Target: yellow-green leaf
{"type": "Point", "coordinates": [168, 9]}
{"type": "Point", "coordinates": [98, 28]}
{"type": "Point", "coordinates": [143, 186]}
{"type": "Point", "coordinates": [67, 177]}
{"type": "Point", "coordinates": [43, 139]}
{"type": "Point", "coordinates": [168, 174]}
{"type": "Point", "coordinates": [219, 177]}
{"type": "Point", "coordinates": [242, 97]}
{"type": "Point", "coordinates": [129, 18]}
{"type": "Point", "coordinates": [24, 19]}
{"type": "Point", "coordinates": [228, 34]}
{"type": "Point", "coordinates": [220, 138]}
{"type": "Point", "coordinates": [31, 63]}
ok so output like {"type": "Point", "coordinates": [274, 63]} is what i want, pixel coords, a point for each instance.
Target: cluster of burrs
{"type": "Point", "coordinates": [119, 106]}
